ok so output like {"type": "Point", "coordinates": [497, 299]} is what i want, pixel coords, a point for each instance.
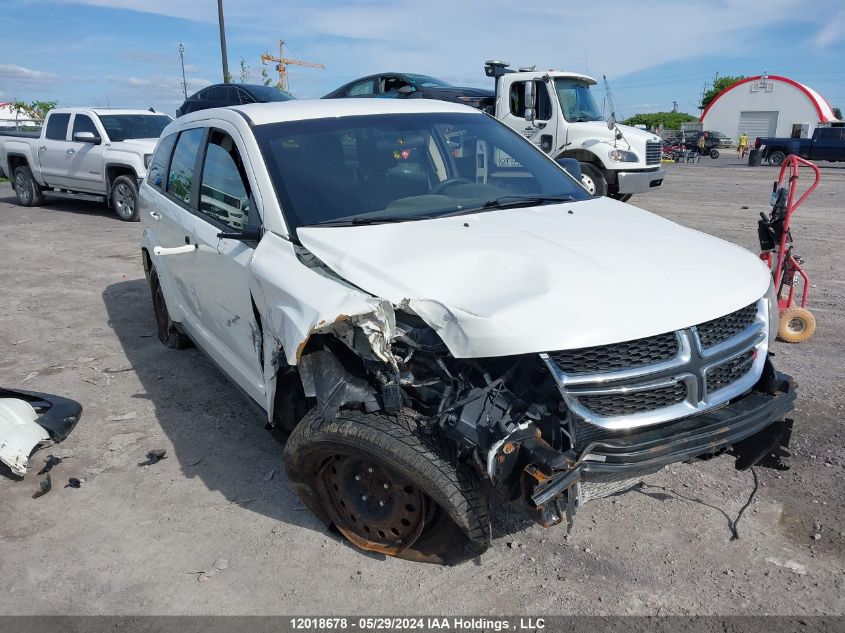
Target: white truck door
{"type": "Point", "coordinates": [512, 104]}
{"type": "Point", "coordinates": [53, 147]}
{"type": "Point", "coordinates": [85, 162]}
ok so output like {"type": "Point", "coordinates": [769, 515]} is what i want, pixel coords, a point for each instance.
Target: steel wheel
{"type": "Point", "coordinates": [371, 505]}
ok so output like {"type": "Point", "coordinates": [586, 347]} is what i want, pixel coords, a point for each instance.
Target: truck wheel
{"type": "Point", "coordinates": [386, 487]}
{"type": "Point", "coordinates": [124, 198]}
{"type": "Point", "coordinates": [165, 330]}
{"type": "Point", "coordinates": [796, 325]}
{"type": "Point", "coordinates": [776, 158]}
{"type": "Point", "coordinates": [28, 192]}
{"type": "Point", "coordinates": [593, 180]}
{"type": "Point", "coordinates": [714, 154]}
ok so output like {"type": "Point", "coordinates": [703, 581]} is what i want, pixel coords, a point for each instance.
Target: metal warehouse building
{"type": "Point", "coordinates": [767, 105]}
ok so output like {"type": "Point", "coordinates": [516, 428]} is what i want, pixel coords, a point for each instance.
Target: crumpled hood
{"type": "Point", "coordinates": [545, 278]}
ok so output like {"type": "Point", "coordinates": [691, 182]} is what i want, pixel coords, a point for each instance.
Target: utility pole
{"type": "Point", "coordinates": [182, 60]}
{"type": "Point", "coordinates": [226, 76]}
{"type": "Point", "coordinates": [283, 62]}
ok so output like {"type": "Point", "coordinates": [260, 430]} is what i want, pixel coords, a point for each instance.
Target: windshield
{"type": "Point", "coordinates": [402, 167]}
{"type": "Point", "coordinates": [577, 102]}
{"type": "Point", "coordinates": [266, 94]}
{"type": "Point", "coordinates": [120, 127]}
{"type": "Point", "coordinates": [428, 82]}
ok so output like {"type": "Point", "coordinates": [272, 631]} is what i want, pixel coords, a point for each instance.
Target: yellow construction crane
{"type": "Point", "coordinates": [283, 62]}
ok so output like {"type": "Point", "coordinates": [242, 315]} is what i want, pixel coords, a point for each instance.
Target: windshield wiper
{"type": "Point", "coordinates": [508, 202]}
{"type": "Point", "coordinates": [364, 221]}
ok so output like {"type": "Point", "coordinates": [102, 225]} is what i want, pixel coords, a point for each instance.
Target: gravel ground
{"type": "Point", "coordinates": [213, 529]}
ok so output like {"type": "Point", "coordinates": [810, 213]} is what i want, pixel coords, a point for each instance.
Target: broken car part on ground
{"type": "Point", "coordinates": [30, 420]}
{"type": "Point", "coordinates": [441, 317]}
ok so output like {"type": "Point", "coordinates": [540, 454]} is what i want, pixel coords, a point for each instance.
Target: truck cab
{"type": "Point", "coordinates": [557, 111]}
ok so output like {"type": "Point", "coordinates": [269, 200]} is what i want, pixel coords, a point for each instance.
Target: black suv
{"type": "Point", "coordinates": [221, 95]}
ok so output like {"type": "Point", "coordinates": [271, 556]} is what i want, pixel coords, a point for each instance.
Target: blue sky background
{"type": "Point", "coordinates": [124, 53]}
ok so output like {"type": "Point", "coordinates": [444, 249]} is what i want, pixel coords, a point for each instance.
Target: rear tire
{"type": "Point", "coordinates": [124, 198]}
{"type": "Point", "coordinates": [593, 180]}
{"type": "Point", "coordinates": [165, 330]}
{"type": "Point", "coordinates": [776, 158]}
{"type": "Point", "coordinates": [27, 190]}
{"type": "Point", "coordinates": [796, 325]}
{"type": "Point", "coordinates": [387, 488]}
{"type": "Point", "coordinates": [714, 154]}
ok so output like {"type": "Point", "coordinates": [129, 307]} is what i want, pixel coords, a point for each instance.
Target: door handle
{"type": "Point", "coordinates": [155, 215]}
{"type": "Point", "coordinates": [71, 151]}
{"type": "Point", "coordinates": [43, 148]}
{"type": "Point", "coordinates": [177, 250]}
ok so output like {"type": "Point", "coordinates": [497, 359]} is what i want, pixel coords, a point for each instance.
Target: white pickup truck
{"type": "Point", "coordinates": [84, 150]}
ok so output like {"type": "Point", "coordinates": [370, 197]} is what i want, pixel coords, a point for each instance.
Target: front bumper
{"type": "Point", "coordinates": [752, 427]}
{"type": "Point", "coordinates": [640, 181]}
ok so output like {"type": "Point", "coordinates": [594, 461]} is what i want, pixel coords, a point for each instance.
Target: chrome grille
{"type": "Point", "coordinates": [723, 375]}
{"type": "Point", "coordinates": [720, 330]}
{"type": "Point", "coordinates": [664, 377]}
{"type": "Point", "coordinates": [636, 402]}
{"type": "Point", "coordinates": [653, 152]}
{"type": "Point", "coordinates": [639, 353]}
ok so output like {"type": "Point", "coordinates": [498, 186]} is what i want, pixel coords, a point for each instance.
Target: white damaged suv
{"type": "Point", "coordinates": [440, 317]}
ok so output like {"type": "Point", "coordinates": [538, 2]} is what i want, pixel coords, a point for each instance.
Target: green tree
{"type": "Point", "coordinates": [719, 84]}
{"type": "Point", "coordinates": [35, 109]}
{"type": "Point", "coordinates": [669, 120]}
{"type": "Point", "coordinates": [244, 71]}
{"type": "Point", "coordinates": [265, 76]}
{"type": "Point", "coordinates": [837, 113]}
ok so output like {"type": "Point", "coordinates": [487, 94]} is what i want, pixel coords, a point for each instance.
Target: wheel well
{"type": "Point", "coordinates": [15, 161]}
{"type": "Point", "coordinates": [114, 171]}
{"type": "Point", "coordinates": [582, 156]}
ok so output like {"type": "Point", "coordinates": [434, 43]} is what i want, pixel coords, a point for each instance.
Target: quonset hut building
{"type": "Point", "coordinates": [768, 105]}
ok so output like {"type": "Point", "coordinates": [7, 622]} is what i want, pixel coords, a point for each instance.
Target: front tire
{"type": "Point", "coordinates": [124, 198]}
{"type": "Point", "coordinates": [714, 154]}
{"type": "Point", "coordinates": [387, 488]}
{"type": "Point", "coordinates": [27, 190]}
{"type": "Point", "coordinates": [776, 158]}
{"type": "Point", "coordinates": [165, 330]}
{"type": "Point", "coordinates": [593, 180]}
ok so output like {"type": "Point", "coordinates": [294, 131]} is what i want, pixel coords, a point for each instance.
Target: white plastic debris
{"type": "Point", "coordinates": [19, 434]}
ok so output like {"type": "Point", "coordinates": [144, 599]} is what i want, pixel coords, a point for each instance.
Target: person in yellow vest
{"type": "Point", "coordinates": [702, 139]}
{"type": "Point", "coordinates": [743, 146]}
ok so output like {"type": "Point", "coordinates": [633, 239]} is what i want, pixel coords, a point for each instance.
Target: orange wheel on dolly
{"type": "Point", "coordinates": [796, 325]}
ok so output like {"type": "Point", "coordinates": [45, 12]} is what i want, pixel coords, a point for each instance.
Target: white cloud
{"type": "Point", "coordinates": [19, 74]}
{"type": "Point", "coordinates": [832, 31]}
{"type": "Point", "coordinates": [160, 89]}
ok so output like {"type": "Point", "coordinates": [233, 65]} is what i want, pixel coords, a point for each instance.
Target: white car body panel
{"type": "Point", "coordinates": [539, 279]}
{"type": "Point", "coordinates": [19, 434]}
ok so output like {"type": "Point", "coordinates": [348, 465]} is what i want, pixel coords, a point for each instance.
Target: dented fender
{"type": "Point", "coordinates": [300, 301]}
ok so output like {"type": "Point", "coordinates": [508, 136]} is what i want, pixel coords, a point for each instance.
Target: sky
{"type": "Point", "coordinates": [124, 53]}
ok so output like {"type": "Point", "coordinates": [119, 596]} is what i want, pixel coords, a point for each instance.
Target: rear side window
{"type": "Point", "coordinates": [57, 126]}
{"type": "Point", "coordinates": [158, 166]}
{"type": "Point", "coordinates": [366, 87]}
{"type": "Point", "coordinates": [180, 179]}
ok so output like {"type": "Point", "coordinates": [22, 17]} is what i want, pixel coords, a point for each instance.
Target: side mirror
{"type": "Point", "coordinates": [529, 101]}
{"type": "Point", "coordinates": [611, 122]}
{"type": "Point", "coordinates": [87, 137]}
{"type": "Point", "coordinates": [406, 89]}
{"type": "Point", "coordinates": [248, 234]}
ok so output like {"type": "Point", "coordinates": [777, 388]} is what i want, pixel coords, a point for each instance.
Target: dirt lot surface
{"type": "Point", "coordinates": [214, 529]}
